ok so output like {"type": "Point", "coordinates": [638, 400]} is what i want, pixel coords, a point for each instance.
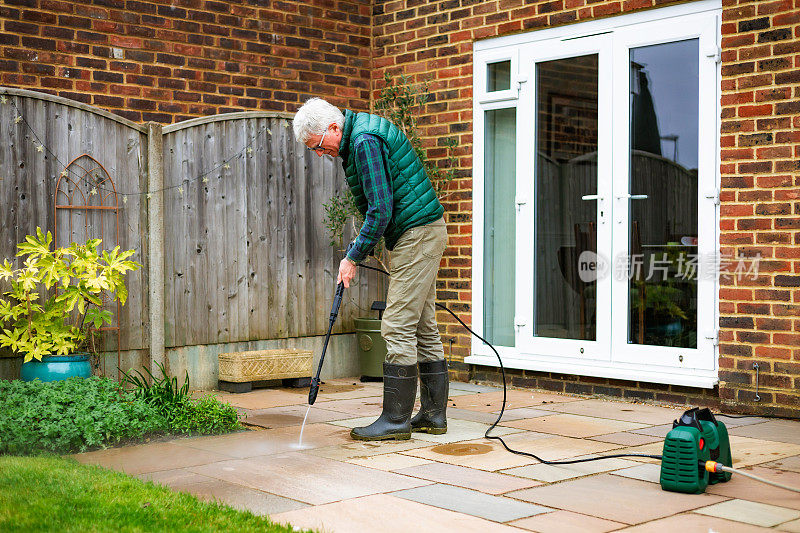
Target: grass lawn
{"type": "Point", "coordinates": [51, 493]}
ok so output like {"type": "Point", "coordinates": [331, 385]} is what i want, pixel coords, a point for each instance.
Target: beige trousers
{"type": "Point", "coordinates": [409, 322]}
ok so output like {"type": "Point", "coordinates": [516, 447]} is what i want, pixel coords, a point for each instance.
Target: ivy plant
{"type": "Point", "coordinates": [34, 324]}
{"type": "Point", "coordinates": [401, 102]}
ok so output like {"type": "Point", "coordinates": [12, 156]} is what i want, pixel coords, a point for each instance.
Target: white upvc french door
{"type": "Point", "coordinates": [613, 236]}
{"type": "Point", "coordinates": [693, 38]}
{"type": "Point", "coordinates": [547, 254]}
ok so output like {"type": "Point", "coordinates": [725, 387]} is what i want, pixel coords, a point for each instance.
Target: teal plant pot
{"type": "Point", "coordinates": [57, 367]}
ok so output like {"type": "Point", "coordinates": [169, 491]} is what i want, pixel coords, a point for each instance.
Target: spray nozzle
{"type": "Point", "coordinates": [312, 391]}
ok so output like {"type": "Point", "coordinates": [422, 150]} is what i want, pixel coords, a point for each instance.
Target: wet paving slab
{"type": "Point", "coordinates": [461, 481]}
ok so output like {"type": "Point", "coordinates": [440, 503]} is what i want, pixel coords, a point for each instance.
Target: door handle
{"type": "Point", "coordinates": [633, 196]}
{"type": "Point", "coordinates": [591, 197]}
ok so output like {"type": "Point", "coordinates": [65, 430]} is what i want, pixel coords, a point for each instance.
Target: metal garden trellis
{"type": "Point", "coordinates": [88, 178]}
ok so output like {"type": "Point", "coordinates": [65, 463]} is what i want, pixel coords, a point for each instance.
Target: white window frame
{"type": "Point", "coordinates": [513, 47]}
{"type": "Point", "coordinates": [480, 78]}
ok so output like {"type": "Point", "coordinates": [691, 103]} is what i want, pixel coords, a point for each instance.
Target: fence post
{"type": "Point", "coordinates": [155, 230]}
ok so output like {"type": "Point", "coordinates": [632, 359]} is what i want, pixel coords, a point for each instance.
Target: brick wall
{"type": "Point", "coordinates": [760, 209]}
{"type": "Point", "coordinates": [169, 60]}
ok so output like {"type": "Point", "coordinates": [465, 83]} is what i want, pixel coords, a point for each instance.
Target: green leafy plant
{"type": "Point", "coordinates": [401, 102]}
{"type": "Point", "coordinates": [206, 415]}
{"type": "Point", "coordinates": [182, 413]}
{"type": "Point", "coordinates": [75, 414]}
{"type": "Point", "coordinates": [35, 327]}
{"type": "Point", "coordinates": [161, 392]}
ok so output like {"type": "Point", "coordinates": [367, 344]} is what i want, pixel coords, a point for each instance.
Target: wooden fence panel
{"type": "Point", "coordinates": [28, 177]}
{"type": "Point", "coordinates": [247, 255]}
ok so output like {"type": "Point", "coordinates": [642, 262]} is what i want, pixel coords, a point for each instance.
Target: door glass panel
{"type": "Point", "coordinates": [565, 289]}
{"type": "Point", "coordinates": [499, 76]}
{"type": "Point", "coordinates": [662, 244]}
{"type": "Point", "coordinates": [499, 228]}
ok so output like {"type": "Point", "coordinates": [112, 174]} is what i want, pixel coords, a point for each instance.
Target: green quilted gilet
{"type": "Point", "coordinates": [414, 200]}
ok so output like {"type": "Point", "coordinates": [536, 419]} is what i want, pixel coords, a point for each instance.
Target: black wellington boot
{"type": "Point", "coordinates": [399, 392]}
{"type": "Point", "coordinates": [434, 387]}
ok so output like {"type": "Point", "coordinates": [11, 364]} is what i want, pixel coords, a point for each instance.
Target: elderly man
{"type": "Point", "coordinates": [395, 195]}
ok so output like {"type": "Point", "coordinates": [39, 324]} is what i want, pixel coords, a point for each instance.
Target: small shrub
{"type": "Point", "coordinates": [183, 414]}
{"type": "Point", "coordinates": [84, 276]}
{"type": "Point", "coordinates": [206, 415]}
{"type": "Point", "coordinates": [71, 415]}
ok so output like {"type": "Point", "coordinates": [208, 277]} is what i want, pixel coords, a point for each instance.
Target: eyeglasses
{"type": "Point", "coordinates": [319, 146]}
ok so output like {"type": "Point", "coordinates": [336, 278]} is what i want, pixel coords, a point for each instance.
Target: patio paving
{"type": "Point", "coordinates": [461, 481]}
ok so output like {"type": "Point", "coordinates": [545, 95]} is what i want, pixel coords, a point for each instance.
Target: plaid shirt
{"type": "Point", "coordinates": [371, 165]}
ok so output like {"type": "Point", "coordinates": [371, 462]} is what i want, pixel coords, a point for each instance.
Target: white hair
{"type": "Point", "coordinates": [314, 117]}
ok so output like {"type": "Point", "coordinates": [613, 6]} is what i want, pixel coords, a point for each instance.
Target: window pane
{"type": "Point", "coordinates": [565, 293]}
{"type": "Point", "coordinates": [499, 228]}
{"type": "Point", "coordinates": [498, 76]}
{"type": "Point", "coordinates": [663, 188]}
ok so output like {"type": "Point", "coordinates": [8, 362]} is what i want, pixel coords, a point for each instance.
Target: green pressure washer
{"type": "Point", "coordinates": [695, 440]}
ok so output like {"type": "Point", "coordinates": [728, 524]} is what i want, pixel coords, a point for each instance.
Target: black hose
{"type": "Point", "coordinates": [758, 416]}
{"type": "Point", "coordinates": [503, 406]}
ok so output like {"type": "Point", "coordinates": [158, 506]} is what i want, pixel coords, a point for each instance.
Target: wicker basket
{"type": "Point", "coordinates": [258, 365]}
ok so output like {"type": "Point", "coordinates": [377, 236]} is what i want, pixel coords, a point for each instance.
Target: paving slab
{"type": "Point", "coordinates": [339, 389]}
{"type": "Point", "coordinates": [748, 451]}
{"type": "Point", "coordinates": [261, 398]}
{"type": "Point", "coordinates": [457, 430]}
{"type": "Point", "coordinates": [773, 430]}
{"type": "Point", "coordinates": [617, 410]}
{"type": "Point", "coordinates": [290, 415]}
{"type": "Point", "coordinates": [211, 489]}
{"type": "Point", "coordinates": [473, 387]}
{"type": "Point", "coordinates": [789, 463]}
{"type": "Point", "coordinates": [353, 449]}
{"type": "Point", "coordinates": [307, 478]}
{"type": "Point", "coordinates": [269, 441]}
{"type": "Point", "coordinates": [490, 455]}
{"type": "Point", "coordinates": [490, 402]}
{"type": "Point", "coordinates": [625, 438]}
{"type": "Point", "coordinates": [552, 473]}
{"type": "Point", "coordinates": [495, 508]}
{"type": "Point", "coordinates": [486, 482]}
{"type": "Point", "coordinates": [566, 522]}
{"type": "Point", "coordinates": [744, 450]}
{"type": "Point", "coordinates": [570, 425]}
{"type": "Point", "coordinates": [648, 472]}
{"type": "Point", "coordinates": [145, 458]}
{"type": "Point", "coordinates": [749, 489]}
{"type": "Point", "coordinates": [757, 514]}
{"type": "Point", "coordinates": [356, 406]}
{"type": "Point", "coordinates": [615, 498]}
{"type": "Point", "coordinates": [389, 514]}
{"type": "Point", "coordinates": [510, 415]}
{"type": "Point", "coordinates": [389, 461]}
{"type": "Point", "coordinates": [660, 431]}
{"type": "Point", "coordinates": [694, 523]}
{"type": "Point", "coordinates": [791, 527]}
{"type": "Point", "coordinates": [476, 416]}
{"type": "Point", "coordinates": [334, 483]}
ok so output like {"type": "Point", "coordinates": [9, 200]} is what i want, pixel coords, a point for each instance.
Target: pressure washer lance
{"type": "Point", "coordinates": [337, 301]}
